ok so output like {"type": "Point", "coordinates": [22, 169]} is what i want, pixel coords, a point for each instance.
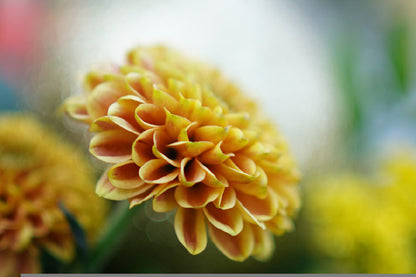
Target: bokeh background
{"type": "Point", "coordinates": [337, 77]}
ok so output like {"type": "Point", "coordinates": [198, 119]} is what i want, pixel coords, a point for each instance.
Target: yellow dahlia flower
{"type": "Point", "coordinates": [176, 131]}
{"type": "Point", "coordinates": [366, 225]}
{"type": "Point", "coordinates": [37, 172]}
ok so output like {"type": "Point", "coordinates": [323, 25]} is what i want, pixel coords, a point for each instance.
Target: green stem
{"type": "Point", "coordinates": [109, 241]}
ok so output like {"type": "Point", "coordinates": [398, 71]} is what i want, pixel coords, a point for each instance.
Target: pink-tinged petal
{"type": "Point", "coordinates": [125, 175]}
{"type": "Point", "coordinates": [175, 123]}
{"type": "Point", "coordinates": [158, 171]}
{"type": "Point", "coordinates": [160, 140]}
{"type": "Point", "coordinates": [165, 100]}
{"type": "Point", "coordinates": [191, 149]}
{"type": "Point", "coordinates": [280, 224]}
{"type": "Point", "coordinates": [125, 108]}
{"type": "Point", "coordinates": [112, 146]}
{"type": "Point", "coordinates": [240, 120]}
{"type": "Point", "coordinates": [112, 122]}
{"type": "Point", "coordinates": [107, 190]}
{"type": "Point", "coordinates": [248, 216]}
{"type": "Point", "coordinates": [142, 197]}
{"type": "Point", "coordinates": [190, 172]}
{"type": "Point", "coordinates": [236, 248]}
{"type": "Point", "coordinates": [227, 199]}
{"type": "Point", "coordinates": [102, 97]}
{"type": "Point", "coordinates": [76, 107]}
{"type": "Point", "coordinates": [196, 196]}
{"type": "Point", "coordinates": [141, 152]}
{"type": "Point", "coordinates": [140, 84]}
{"type": "Point", "coordinates": [229, 221]}
{"type": "Point", "coordinates": [214, 155]}
{"type": "Point", "coordinates": [264, 244]}
{"type": "Point", "coordinates": [164, 200]}
{"type": "Point", "coordinates": [213, 134]}
{"type": "Point", "coordinates": [257, 187]}
{"type": "Point", "coordinates": [190, 229]}
{"type": "Point", "coordinates": [262, 209]}
{"type": "Point", "coordinates": [150, 116]}
{"type": "Point", "coordinates": [211, 179]}
{"type": "Point", "coordinates": [234, 141]}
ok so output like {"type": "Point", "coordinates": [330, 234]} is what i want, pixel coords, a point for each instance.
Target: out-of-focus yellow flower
{"type": "Point", "coordinates": [37, 172]}
{"type": "Point", "coordinates": [367, 225]}
{"type": "Point", "coordinates": [178, 132]}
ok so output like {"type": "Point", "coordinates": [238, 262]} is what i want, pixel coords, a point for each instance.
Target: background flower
{"type": "Point", "coordinates": [37, 172]}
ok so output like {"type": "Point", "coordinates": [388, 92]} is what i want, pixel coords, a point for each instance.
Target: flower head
{"type": "Point", "coordinates": [363, 224]}
{"type": "Point", "coordinates": [179, 133]}
{"type": "Point", "coordinates": [35, 176]}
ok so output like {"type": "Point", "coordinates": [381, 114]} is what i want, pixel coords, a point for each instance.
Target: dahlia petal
{"type": "Point", "coordinates": [264, 244]}
{"type": "Point", "coordinates": [158, 171]}
{"type": "Point", "coordinates": [262, 209]}
{"type": "Point", "coordinates": [160, 140]}
{"type": "Point", "coordinates": [248, 216]}
{"type": "Point", "coordinates": [125, 175]}
{"type": "Point", "coordinates": [76, 107]}
{"type": "Point", "coordinates": [102, 96]}
{"type": "Point", "coordinates": [234, 141]}
{"type": "Point", "coordinates": [256, 151]}
{"type": "Point", "coordinates": [227, 199]}
{"type": "Point", "coordinates": [188, 107]}
{"type": "Point", "coordinates": [150, 116]}
{"type": "Point", "coordinates": [211, 179]}
{"type": "Point", "coordinates": [142, 197]}
{"type": "Point", "coordinates": [112, 122]}
{"type": "Point", "coordinates": [193, 92]}
{"type": "Point", "coordinates": [213, 134]}
{"type": "Point", "coordinates": [165, 100]}
{"type": "Point", "coordinates": [190, 229]}
{"type": "Point", "coordinates": [233, 173]}
{"type": "Point", "coordinates": [175, 123]}
{"type": "Point", "coordinates": [214, 155]}
{"type": "Point", "coordinates": [229, 221]}
{"type": "Point", "coordinates": [175, 87]}
{"type": "Point", "coordinates": [112, 146]}
{"type": "Point", "coordinates": [257, 187]}
{"type": "Point", "coordinates": [190, 172]}
{"type": "Point", "coordinates": [125, 108]}
{"type": "Point", "coordinates": [280, 224]}
{"type": "Point", "coordinates": [289, 195]}
{"type": "Point", "coordinates": [236, 248]}
{"type": "Point", "coordinates": [209, 99]}
{"type": "Point", "coordinates": [164, 200]}
{"type": "Point", "coordinates": [240, 120]}
{"type": "Point", "coordinates": [141, 152]}
{"type": "Point", "coordinates": [107, 190]}
{"type": "Point", "coordinates": [141, 85]}
{"type": "Point", "coordinates": [190, 148]}
{"type": "Point", "coordinates": [196, 196]}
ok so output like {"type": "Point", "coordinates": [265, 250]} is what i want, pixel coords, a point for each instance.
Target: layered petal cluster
{"type": "Point", "coordinates": [38, 171]}
{"type": "Point", "coordinates": [366, 225]}
{"type": "Point", "coordinates": [179, 133]}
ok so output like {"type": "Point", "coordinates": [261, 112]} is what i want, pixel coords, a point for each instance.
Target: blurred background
{"type": "Point", "coordinates": [337, 77]}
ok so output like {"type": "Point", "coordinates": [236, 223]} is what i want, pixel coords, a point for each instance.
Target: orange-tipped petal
{"type": "Point", "coordinates": [227, 199]}
{"type": "Point", "coordinates": [229, 221]}
{"type": "Point", "coordinates": [238, 247]}
{"type": "Point", "coordinates": [102, 96]}
{"type": "Point", "coordinates": [191, 172]}
{"type": "Point", "coordinates": [190, 229]}
{"type": "Point", "coordinates": [112, 122]}
{"type": "Point", "coordinates": [112, 146]}
{"type": "Point", "coordinates": [150, 116]}
{"type": "Point", "coordinates": [76, 107]}
{"type": "Point", "coordinates": [158, 171]}
{"type": "Point", "coordinates": [125, 175]}
{"type": "Point", "coordinates": [234, 141]}
{"type": "Point", "coordinates": [196, 196]}
{"type": "Point", "coordinates": [264, 244]}
{"type": "Point", "coordinates": [191, 149]}
{"type": "Point", "coordinates": [262, 209]}
{"type": "Point", "coordinates": [164, 200]}
{"type": "Point", "coordinates": [107, 190]}
{"type": "Point", "coordinates": [213, 134]}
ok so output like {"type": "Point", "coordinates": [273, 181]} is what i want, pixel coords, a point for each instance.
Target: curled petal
{"type": "Point", "coordinates": [163, 99]}
{"type": "Point", "coordinates": [158, 172]}
{"type": "Point", "coordinates": [160, 150]}
{"type": "Point", "coordinates": [142, 197]}
{"type": "Point", "coordinates": [125, 108]}
{"type": "Point", "coordinates": [214, 155]}
{"type": "Point", "coordinates": [164, 200]}
{"type": "Point", "coordinates": [150, 116]}
{"type": "Point", "coordinates": [139, 84]}
{"type": "Point", "coordinates": [190, 229]}
{"type": "Point", "coordinates": [257, 187]}
{"type": "Point", "coordinates": [191, 149]}
{"type": "Point", "coordinates": [227, 199]}
{"type": "Point", "coordinates": [238, 247]}
{"type": "Point", "coordinates": [213, 134]}
{"type": "Point", "coordinates": [175, 123]}
{"type": "Point", "coordinates": [196, 196]}
{"type": "Point", "coordinates": [211, 179]}
{"type": "Point", "coordinates": [76, 107]}
{"type": "Point", "coordinates": [193, 92]}
{"type": "Point", "coordinates": [107, 190]}
{"type": "Point", "coordinates": [264, 244]}
{"type": "Point", "coordinates": [112, 122]}
{"type": "Point", "coordinates": [280, 224]}
{"type": "Point", "coordinates": [141, 152]}
{"type": "Point", "coordinates": [234, 141]}
{"type": "Point", "coordinates": [248, 216]}
{"type": "Point", "coordinates": [243, 173]}
{"type": "Point", "coordinates": [125, 175]}
{"type": "Point", "coordinates": [102, 96]}
{"type": "Point", "coordinates": [229, 221]}
{"type": "Point", "coordinates": [262, 209]}
{"type": "Point", "coordinates": [191, 172]}
{"type": "Point", "coordinates": [112, 146]}
{"type": "Point", "coordinates": [240, 120]}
